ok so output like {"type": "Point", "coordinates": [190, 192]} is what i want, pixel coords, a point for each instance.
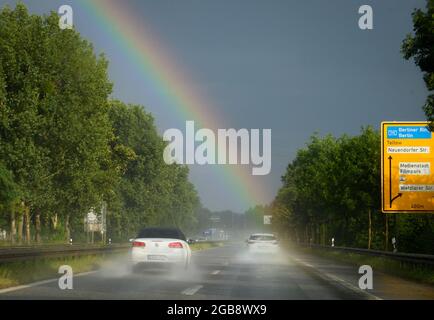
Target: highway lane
{"type": "Point", "coordinates": [227, 272]}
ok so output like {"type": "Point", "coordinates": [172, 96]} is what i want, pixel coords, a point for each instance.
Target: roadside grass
{"type": "Point", "coordinates": [27, 271]}
{"type": "Point", "coordinates": [8, 244]}
{"type": "Point", "coordinates": [22, 272]}
{"type": "Point", "coordinates": [419, 273]}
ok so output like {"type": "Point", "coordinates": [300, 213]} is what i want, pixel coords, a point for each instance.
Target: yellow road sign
{"type": "Point", "coordinates": [407, 164]}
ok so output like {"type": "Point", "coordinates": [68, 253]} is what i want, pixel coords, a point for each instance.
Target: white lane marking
{"type": "Point", "coordinates": [38, 283]}
{"type": "Point", "coordinates": [191, 291]}
{"type": "Point", "coordinates": [352, 287]}
{"type": "Point", "coordinates": [328, 277]}
{"type": "Point", "coordinates": [215, 272]}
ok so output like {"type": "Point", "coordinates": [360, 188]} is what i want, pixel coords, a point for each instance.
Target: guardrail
{"type": "Point", "coordinates": [10, 254]}
{"type": "Point", "coordinates": [19, 253]}
{"type": "Point", "coordinates": [413, 258]}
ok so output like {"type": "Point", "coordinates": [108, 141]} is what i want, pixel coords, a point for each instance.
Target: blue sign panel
{"type": "Point", "coordinates": [408, 132]}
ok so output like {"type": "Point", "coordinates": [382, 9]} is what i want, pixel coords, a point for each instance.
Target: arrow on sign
{"type": "Point", "coordinates": [390, 184]}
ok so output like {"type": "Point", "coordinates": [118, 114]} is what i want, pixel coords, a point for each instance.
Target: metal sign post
{"type": "Point", "coordinates": [267, 219]}
{"type": "Point", "coordinates": [94, 222]}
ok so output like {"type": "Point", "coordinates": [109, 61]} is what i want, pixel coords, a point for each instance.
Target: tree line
{"type": "Point", "coordinates": [66, 147]}
{"type": "Point", "coordinates": [332, 189]}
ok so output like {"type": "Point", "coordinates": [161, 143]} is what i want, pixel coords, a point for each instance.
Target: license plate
{"type": "Point", "coordinates": [156, 257]}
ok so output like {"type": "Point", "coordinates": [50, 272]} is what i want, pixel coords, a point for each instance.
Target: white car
{"type": "Point", "coordinates": [263, 243]}
{"type": "Point", "coordinates": [160, 246]}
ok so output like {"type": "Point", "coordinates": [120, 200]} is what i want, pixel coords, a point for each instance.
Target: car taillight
{"type": "Point", "coordinates": [138, 244]}
{"type": "Point", "coordinates": [175, 245]}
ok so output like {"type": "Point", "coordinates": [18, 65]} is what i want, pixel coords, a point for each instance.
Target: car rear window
{"type": "Point", "coordinates": [262, 237]}
{"type": "Point", "coordinates": [166, 233]}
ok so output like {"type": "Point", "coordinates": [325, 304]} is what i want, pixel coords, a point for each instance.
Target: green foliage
{"type": "Point", "coordinates": [150, 192]}
{"type": "Point", "coordinates": [420, 46]}
{"type": "Point", "coordinates": [8, 189]}
{"type": "Point", "coordinates": [9, 192]}
{"type": "Point", "coordinates": [55, 128]}
{"type": "Point", "coordinates": [66, 148]}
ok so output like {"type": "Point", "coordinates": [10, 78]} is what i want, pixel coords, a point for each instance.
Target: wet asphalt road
{"type": "Point", "coordinates": [227, 272]}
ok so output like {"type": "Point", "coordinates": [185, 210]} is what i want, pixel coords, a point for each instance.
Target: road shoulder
{"type": "Point", "coordinates": [346, 275]}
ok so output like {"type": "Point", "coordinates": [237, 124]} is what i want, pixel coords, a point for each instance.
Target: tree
{"type": "Point", "coordinates": [420, 46]}
{"type": "Point", "coordinates": [54, 128]}
{"type": "Point", "coordinates": [21, 120]}
{"type": "Point", "coordinates": [65, 148]}
{"type": "Point", "coordinates": [9, 196]}
{"type": "Point", "coordinates": [150, 192]}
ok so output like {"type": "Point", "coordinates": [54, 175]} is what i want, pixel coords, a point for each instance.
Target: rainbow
{"type": "Point", "coordinates": [168, 79]}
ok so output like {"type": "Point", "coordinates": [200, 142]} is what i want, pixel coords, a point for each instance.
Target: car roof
{"type": "Point", "coordinates": [161, 228]}
{"type": "Point", "coordinates": [262, 234]}
{"type": "Point", "coordinates": [161, 232]}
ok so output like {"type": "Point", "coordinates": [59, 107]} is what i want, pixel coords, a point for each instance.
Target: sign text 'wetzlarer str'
{"type": "Point", "coordinates": [407, 164]}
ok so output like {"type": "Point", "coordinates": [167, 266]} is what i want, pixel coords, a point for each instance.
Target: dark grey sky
{"type": "Point", "coordinates": [293, 66]}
